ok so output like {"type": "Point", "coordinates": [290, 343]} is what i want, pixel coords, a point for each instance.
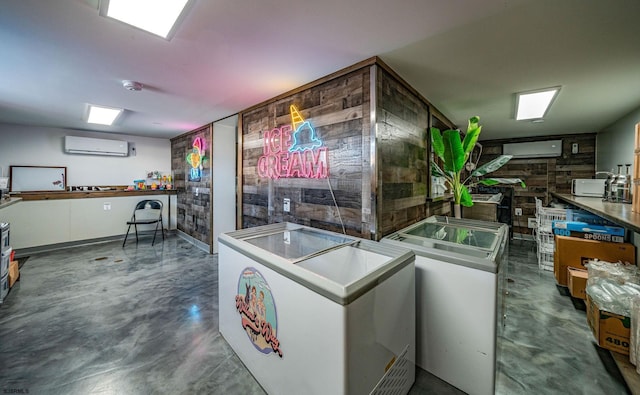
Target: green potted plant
{"type": "Point", "coordinates": [454, 153]}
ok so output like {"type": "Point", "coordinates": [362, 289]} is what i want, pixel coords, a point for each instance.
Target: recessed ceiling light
{"type": "Point", "coordinates": [534, 104]}
{"type": "Point", "coordinates": [154, 16]}
{"type": "Point", "coordinates": [103, 115]}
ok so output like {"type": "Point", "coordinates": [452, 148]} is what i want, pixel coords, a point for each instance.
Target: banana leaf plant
{"type": "Point", "coordinates": [454, 153]}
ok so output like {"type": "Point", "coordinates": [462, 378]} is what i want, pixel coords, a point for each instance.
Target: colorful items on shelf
{"type": "Point", "coordinates": [163, 182]}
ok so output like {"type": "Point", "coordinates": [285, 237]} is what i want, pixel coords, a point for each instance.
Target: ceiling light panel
{"type": "Point", "coordinates": [103, 115]}
{"type": "Point", "coordinates": [534, 104]}
{"type": "Point", "coordinates": [155, 16]}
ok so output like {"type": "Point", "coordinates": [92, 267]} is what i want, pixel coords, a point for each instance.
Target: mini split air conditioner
{"type": "Point", "coordinates": [537, 149]}
{"type": "Point", "coordinates": [91, 146]}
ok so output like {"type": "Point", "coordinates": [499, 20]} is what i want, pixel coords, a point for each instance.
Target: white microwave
{"type": "Point", "coordinates": [588, 187]}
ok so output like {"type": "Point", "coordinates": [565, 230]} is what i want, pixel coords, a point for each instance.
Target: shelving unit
{"type": "Point", "coordinates": [544, 233]}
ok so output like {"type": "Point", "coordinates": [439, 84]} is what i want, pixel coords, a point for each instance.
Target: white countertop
{"type": "Point", "coordinates": [8, 202]}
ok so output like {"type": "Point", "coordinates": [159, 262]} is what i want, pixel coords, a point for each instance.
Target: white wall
{"type": "Point", "coordinates": [224, 177]}
{"type": "Point", "coordinates": [614, 145]}
{"type": "Point", "coordinates": [40, 146]}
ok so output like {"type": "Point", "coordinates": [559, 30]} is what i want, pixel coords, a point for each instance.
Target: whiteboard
{"type": "Point", "coordinates": [37, 178]}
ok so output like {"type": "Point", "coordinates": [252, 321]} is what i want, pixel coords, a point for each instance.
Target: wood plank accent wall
{"type": "Point", "coordinates": [378, 173]}
{"type": "Point", "coordinates": [194, 216]}
{"type": "Point", "coordinates": [543, 175]}
{"type": "Point", "coordinates": [402, 123]}
{"type": "Point", "coordinates": [338, 109]}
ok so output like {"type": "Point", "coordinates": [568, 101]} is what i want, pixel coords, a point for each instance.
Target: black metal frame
{"type": "Point", "coordinates": [146, 204]}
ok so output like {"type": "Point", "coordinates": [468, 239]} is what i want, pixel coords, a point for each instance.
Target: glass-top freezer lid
{"type": "Point", "coordinates": [479, 238]}
{"type": "Point", "coordinates": [297, 243]}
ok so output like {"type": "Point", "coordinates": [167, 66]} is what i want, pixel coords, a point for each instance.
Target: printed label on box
{"type": "Point", "coordinates": [611, 331]}
{"type": "Point", "coordinates": [599, 237]}
{"type": "Point", "coordinates": [615, 332]}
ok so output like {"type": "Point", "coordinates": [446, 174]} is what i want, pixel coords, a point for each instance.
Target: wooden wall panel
{"type": "Point", "coordinates": [543, 175]}
{"type": "Point", "coordinates": [369, 205]}
{"type": "Point", "coordinates": [338, 110]}
{"type": "Point", "coordinates": [439, 208]}
{"type": "Point", "coordinates": [402, 122]}
{"type": "Point", "coordinates": [194, 211]}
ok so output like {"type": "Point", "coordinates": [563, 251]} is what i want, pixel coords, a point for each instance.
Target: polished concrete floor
{"type": "Point", "coordinates": [102, 319]}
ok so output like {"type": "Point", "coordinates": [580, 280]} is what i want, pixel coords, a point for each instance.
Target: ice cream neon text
{"type": "Point", "coordinates": [293, 151]}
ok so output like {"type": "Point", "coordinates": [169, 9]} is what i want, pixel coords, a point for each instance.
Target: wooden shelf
{"type": "Point", "coordinates": [91, 194]}
{"type": "Point", "coordinates": [628, 372]}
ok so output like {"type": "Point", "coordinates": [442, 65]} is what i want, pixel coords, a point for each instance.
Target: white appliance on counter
{"type": "Point", "coordinates": [315, 312]}
{"type": "Point", "coordinates": [460, 309]}
{"type": "Point", "coordinates": [588, 187]}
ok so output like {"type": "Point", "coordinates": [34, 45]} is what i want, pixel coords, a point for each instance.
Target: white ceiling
{"type": "Point", "coordinates": [468, 57]}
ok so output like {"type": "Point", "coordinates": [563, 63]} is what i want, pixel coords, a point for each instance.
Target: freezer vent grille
{"type": "Point", "coordinates": [398, 379]}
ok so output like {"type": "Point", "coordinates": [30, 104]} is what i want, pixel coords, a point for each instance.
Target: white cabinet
{"type": "Point", "coordinates": [36, 223]}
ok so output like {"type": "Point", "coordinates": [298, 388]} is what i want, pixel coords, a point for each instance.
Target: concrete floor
{"type": "Point", "coordinates": [102, 319]}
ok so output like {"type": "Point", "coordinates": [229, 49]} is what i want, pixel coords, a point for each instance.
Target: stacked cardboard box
{"type": "Point", "coordinates": [575, 252]}
{"type": "Point", "coordinates": [589, 231]}
{"type": "Point", "coordinates": [611, 331]}
{"type": "Point", "coordinates": [577, 282]}
{"type": "Point", "coordinates": [14, 273]}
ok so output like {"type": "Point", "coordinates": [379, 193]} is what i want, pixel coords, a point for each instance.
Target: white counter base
{"type": "Point", "coordinates": [36, 223]}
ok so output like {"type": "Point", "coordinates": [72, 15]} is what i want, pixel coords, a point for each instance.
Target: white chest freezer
{"type": "Point", "coordinates": [315, 312]}
{"type": "Point", "coordinates": [460, 280]}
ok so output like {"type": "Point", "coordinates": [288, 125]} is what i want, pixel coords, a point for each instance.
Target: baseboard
{"type": "Point", "coordinates": [523, 236]}
{"type": "Point", "coordinates": [201, 245]}
{"type": "Point", "coordinates": [22, 252]}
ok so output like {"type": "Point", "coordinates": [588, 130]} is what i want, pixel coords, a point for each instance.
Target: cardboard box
{"type": "Point", "coordinates": [585, 216]}
{"type": "Point", "coordinates": [574, 252]}
{"type": "Point", "coordinates": [611, 331]}
{"type": "Point", "coordinates": [14, 273]}
{"type": "Point", "coordinates": [563, 228]}
{"type": "Point", "coordinates": [577, 282]}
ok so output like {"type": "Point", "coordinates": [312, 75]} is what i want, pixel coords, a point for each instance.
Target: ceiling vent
{"type": "Point", "coordinates": [132, 85]}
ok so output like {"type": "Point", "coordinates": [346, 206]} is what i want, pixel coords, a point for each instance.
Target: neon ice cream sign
{"type": "Point", "coordinates": [293, 151]}
{"type": "Point", "coordinates": [195, 159]}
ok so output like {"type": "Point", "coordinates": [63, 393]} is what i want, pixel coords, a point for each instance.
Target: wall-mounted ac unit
{"type": "Point", "coordinates": [92, 146]}
{"type": "Point", "coordinates": [537, 149]}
